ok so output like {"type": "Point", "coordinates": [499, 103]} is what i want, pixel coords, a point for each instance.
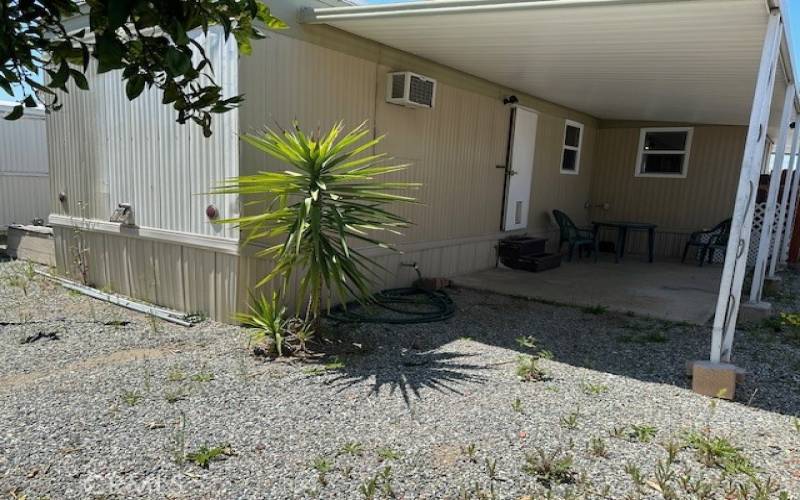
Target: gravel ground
{"type": "Point", "coordinates": [108, 404]}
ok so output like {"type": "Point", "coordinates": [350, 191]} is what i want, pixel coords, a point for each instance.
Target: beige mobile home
{"type": "Point", "coordinates": [649, 110]}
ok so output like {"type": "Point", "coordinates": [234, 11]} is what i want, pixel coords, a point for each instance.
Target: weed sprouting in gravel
{"type": "Point", "coordinates": [597, 447]}
{"type": "Point", "coordinates": [172, 396]}
{"type": "Point", "coordinates": [635, 473]}
{"type": "Point", "coordinates": [672, 448]}
{"type": "Point", "coordinates": [176, 375]}
{"type": "Point", "coordinates": [478, 492]}
{"type": "Point", "coordinates": [323, 466]}
{"type": "Point", "coordinates": [570, 421]}
{"type": "Point", "coordinates": [596, 310]}
{"type": "Point", "coordinates": [353, 448]}
{"type": "Point", "coordinates": [178, 440]}
{"type": "Point", "coordinates": [528, 369]}
{"type": "Point", "coordinates": [471, 452]}
{"type": "Point", "coordinates": [549, 468]}
{"type": "Point", "coordinates": [335, 364]}
{"type": "Point", "coordinates": [380, 482]}
{"type": "Point", "coordinates": [203, 376]}
{"type": "Point", "coordinates": [18, 281]}
{"type": "Point", "coordinates": [491, 468]}
{"type": "Point", "coordinates": [527, 341]}
{"type": "Point", "coordinates": [131, 398]}
{"type": "Point", "coordinates": [643, 433]}
{"type": "Point", "coordinates": [387, 453]}
{"type": "Point", "coordinates": [662, 480]}
{"type": "Point", "coordinates": [517, 405]}
{"type": "Point", "coordinates": [593, 389]}
{"type": "Point", "coordinates": [154, 323]}
{"type": "Point", "coordinates": [717, 451]}
{"type": "Point", "coordinates": [617, 432]}
{"type": "Point", "coordinates": [796, 423]}
{"type": "Point", "coordinates": [204, 455]}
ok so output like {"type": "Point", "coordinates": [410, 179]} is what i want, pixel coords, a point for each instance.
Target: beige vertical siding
{"type": "Point", "coordinates": [106, 150]}
{"type": "Point", "coordinates": [454, 148]}
{"type": "Point", "coordinates": [679, 206]}
{"type": "Point", "coordinates": [24, 184]}
{"type": "Point", "coordinates": [553, 189]}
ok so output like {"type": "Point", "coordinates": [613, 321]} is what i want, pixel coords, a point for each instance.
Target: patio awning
{"type": "Point", "coordinates": [653, 60]}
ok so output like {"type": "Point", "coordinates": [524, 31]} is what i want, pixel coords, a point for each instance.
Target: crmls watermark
{"type": "Point", "coordinates": [118, 484]}
{"type": "Point", "coordinates": [178, 485]}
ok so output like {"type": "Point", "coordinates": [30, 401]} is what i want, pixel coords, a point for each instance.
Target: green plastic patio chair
{"type": "Point", "coordinates": [709, 242]}
{"type": "Point", "coordinates": [574, 236]}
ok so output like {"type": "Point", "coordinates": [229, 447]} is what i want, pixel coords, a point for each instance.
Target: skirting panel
{"type": "Point", "coordinates": [442, 259]}
{"type": "Point", "coordinates": [218, 284]}
{"type": "Point", "coordinates": [164, 273]}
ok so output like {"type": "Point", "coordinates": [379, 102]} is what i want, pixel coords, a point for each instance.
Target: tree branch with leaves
{"type": "Point", "coordinates": [148, 41]}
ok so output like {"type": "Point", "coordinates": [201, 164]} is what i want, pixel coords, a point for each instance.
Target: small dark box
{"type": "Point", "coordinates": [537, 263]}
{"type": "Point", "coordinates": [516, 247]}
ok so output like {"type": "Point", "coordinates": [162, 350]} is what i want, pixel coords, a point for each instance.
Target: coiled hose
{"type": "Point", "coordinates": [398, 306]}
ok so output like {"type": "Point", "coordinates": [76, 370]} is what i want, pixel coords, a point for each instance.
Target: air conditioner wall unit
{"type": "Point", "coordinates": [410, 89]}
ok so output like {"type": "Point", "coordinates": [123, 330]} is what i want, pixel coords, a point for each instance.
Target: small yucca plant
{"type": "Point", "coordinates": [328, 198]}
{"type": "Point", "coordinates": [268, 318]}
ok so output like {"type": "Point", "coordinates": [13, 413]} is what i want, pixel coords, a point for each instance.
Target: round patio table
{"type": "Point", "coordinates": [622, 228]}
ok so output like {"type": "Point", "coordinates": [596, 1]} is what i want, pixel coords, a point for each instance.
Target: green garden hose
{"type": "Point", "coordinates": [398, 306]}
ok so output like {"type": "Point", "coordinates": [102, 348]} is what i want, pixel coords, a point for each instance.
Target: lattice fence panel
{"type": "Point", "coordinates": [755, 235]}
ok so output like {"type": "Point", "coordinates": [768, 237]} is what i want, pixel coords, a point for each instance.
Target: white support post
{"type": "Point", "coordinates": [791, 211]}
{"type": "Point", "coordinates": [783, 227]}
{"type": "Point", "coordinates": [759, 273]}
{"type": "Point", "coordinates": [730, 288]}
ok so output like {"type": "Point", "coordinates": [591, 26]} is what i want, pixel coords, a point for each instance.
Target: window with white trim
{"type": "Point", "coordinates": [571, 148]}
{"type": "Point", "coordinates": [664, 152]}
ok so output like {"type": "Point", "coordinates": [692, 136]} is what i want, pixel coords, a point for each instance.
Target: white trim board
{"type": "Point", "coordinates": [564, 147]}
{"type": "Point", "coordinates": [221, 245]}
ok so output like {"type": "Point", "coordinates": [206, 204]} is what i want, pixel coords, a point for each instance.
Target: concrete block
{"type": "Point", "coordinates": [754, 312]}
{"type": "Point", "coordinates": [772, 285]}
{"type": "Point", "coordinates": [714, 379]}
{"type": "Point", "coordinates": [740, 372]}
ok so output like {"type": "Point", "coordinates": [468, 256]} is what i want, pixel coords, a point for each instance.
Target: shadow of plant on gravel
{"type": "Point", "coordinates": [411, 357]}
{"type": "Point", "coordinates": [408, 372]}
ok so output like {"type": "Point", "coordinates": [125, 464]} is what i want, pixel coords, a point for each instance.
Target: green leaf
{"type": "Point", "coordinates": [118, 12]}
{"type": "Point", "coordinates": [135, 86]}
{"type": "Point", "coordinates": [15, 114]}
{"type": "Point", "coordinates": [79, 79]}
{"type": "Point", "coordinates": [177, 62]}
{"type": "Point", "coordinates": [109, 52]}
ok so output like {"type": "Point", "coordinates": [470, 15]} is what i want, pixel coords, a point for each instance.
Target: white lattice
{"type": "Point", "coordinates": [755, 235]}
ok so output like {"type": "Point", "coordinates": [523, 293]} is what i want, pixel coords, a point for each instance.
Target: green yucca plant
{"type": "Point", "coordinates": [327, 199]}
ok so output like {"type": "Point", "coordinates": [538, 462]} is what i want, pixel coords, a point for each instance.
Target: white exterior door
{"type": "Point", "coordinates": [520, 169]}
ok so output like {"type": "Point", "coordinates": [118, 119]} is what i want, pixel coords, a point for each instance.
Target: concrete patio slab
{"type": "Point", "coordinates": [664, 290]}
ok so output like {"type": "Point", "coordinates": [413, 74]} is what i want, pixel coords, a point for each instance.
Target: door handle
{"type": "Point", "coordinates": [508, 169]}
